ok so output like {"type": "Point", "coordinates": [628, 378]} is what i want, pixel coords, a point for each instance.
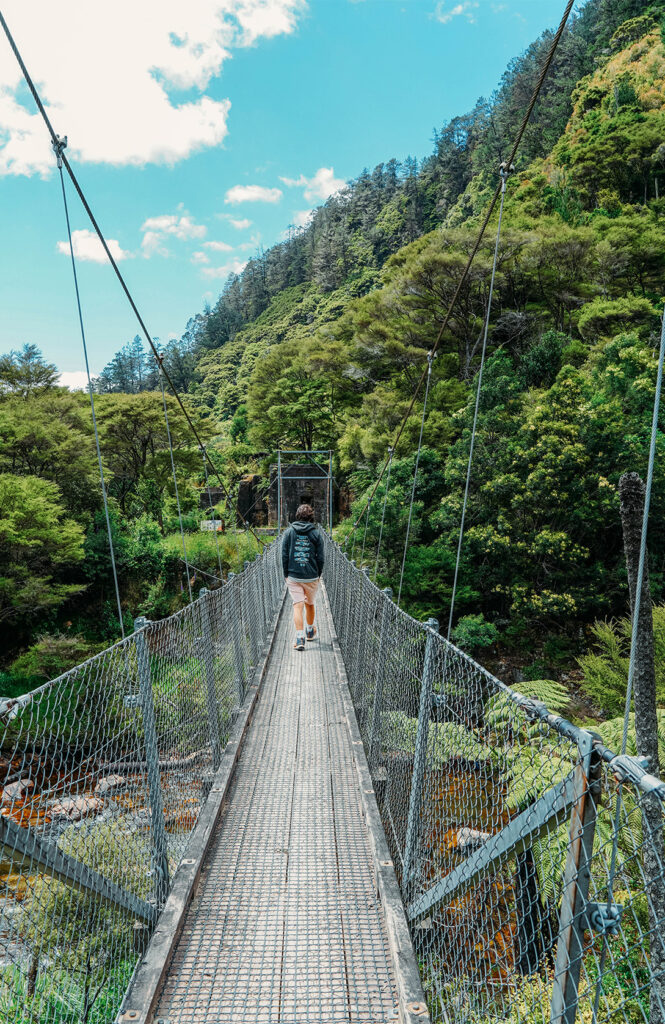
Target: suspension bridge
{"type": "Point", "coordinates": [201, 825]}
{"type": "Point", "coordinates": [374, 830]}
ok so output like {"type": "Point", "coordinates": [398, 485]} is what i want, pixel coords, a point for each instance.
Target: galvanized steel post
{"type": "Point", "coordinates": [238, 658]}
{"type": "Point", "coordinates": [253, 613]}
{"type": "Point", "coordinates": [160, 858]}
{"type": "Point", "coordinates": [330, 494]}
{"type": "Point", "coordinates": [420, 755]}
{"type": "Point", "coordinates": [575, 891]}
{"type": "Point", "coordinates": [260, 596]}
{"type": "Point", "coordinates": [361, 659]}
{"type": "Point", "coordinates": [279, 493]}
{"type": "Point", "coordinates": [348, 619]}
{"type": "Point", "coordinates": [209, 672]}
{"type": "Point", "coordinates": [375, 724]}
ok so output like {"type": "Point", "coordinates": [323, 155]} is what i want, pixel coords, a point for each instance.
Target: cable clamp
{"type": "Point", "coordinates": [505, 171]}
{"type": "Point", "coordinates": [534, 709]}
{"type": "Point", "coordinates": [59, 145]}
{"type": "Point", "coordinates": [604, 919]}
{"type": "Point", "coordinates": [634, 769]}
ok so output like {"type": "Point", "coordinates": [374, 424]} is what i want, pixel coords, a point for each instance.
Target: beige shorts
{"type": "Point", "coordinates": [302, 590]}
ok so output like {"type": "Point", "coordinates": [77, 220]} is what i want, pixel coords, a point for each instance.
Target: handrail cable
{"type": "Point", "coordinates": [504, 172]}
{"type": "Point", "coordinates": [430, 357]}
{"type": "Point", "coordinates": [490, 209]}
{"type": "Point", "coordinates": [175, 479]}
{"type": "Point", "coordinates": [203, 572]}
{"type": "Point", "coordinates": [383, 514]}
{"type": "Point", "coordinates": [57, 141]}
{"type": "Point", "coordinates": [58, 152]}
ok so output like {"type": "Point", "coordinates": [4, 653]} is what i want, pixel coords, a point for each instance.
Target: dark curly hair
{"type": "Point", "coordinates": [305, 514]}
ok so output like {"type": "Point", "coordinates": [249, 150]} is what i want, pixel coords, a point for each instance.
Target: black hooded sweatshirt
{"type": "Point", "coordinates": [302, 552]}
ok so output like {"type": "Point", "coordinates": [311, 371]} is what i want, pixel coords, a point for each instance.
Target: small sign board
{"type": "Point", "coordinates": [212, 525]}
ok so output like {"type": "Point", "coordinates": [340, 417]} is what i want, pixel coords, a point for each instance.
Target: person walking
{"type": "Point", "coordinates": [302, 560]}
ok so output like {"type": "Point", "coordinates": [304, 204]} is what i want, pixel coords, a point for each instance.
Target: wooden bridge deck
{"type": "Point", "coordinates": [286, 924]}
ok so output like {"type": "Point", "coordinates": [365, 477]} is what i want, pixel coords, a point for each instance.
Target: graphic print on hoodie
{"type": "Point", "coordinates": [302, 552]}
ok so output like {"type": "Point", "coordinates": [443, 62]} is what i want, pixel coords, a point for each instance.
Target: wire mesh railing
{"type": "Point", "coordinates": [529, 856]}
{"type": "Point", "coordinates": [104, 772]}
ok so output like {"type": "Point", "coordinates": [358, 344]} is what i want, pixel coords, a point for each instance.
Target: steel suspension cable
{"type": "Point", "coordinates": [633, 642]}
{"type": "Point", "coordinates": [58, 153]}
{"type": "Point", "coordinates": [504, 180]}
{"type": "Point", "coordinates": [430, 357]}
{"type": "Point", "coordinates": [383, 514]}
{"type": "Point", "coordinates": [57, 141]}
{"type": "Point", "coordinates": [488, 214]}
{"type": "Point", "coordinates": [175, 481]}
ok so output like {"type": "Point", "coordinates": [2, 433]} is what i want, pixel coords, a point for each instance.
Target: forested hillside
{"type": "Point", "coordinates": [321, 339]}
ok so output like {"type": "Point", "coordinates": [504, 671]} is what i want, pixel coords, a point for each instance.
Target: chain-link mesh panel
{"type": "Point", "coordinates": [104, 772]}
{"type": "Point", "coordinates": [531, 895]}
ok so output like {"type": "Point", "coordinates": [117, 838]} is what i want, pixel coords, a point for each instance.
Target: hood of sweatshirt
{"type": "Point", "coordinates": [303, 527]}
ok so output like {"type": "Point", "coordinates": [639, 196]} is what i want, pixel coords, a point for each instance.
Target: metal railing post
{"type": "Point", "coordinates": [250, 591]}
{"type": "Point", "coordinates": [375, 723]}
{"type": "Point", "coordinates": [238, 657]}
{"type": "Point", "coordinates": [348, 618]}
{"type": "Point", "coordinates": [361, 650]}
{"type": "Point", "coordinates": [279, 493]}
{"type": "Point", "coordinates": [576, 877]}
{"type": "Point", "coordinates": [160, 858]}
{"type": "Point", "coordinates": [209, 671]}
{"type": "Point", "coordinates": [260, 591]}
{"type": "Point", "coordinates": [330, 494]}
{"type": "Point", "coordinates": [420, 755]}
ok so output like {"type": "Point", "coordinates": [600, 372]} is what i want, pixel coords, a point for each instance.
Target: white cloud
{"type": "Point", "coordinates": [240, 225]}
{"type": "Point", "coordinates": [75, 380]}
{"type": "Point", "coordinates": [321, 186]}
{"type": "Point", "coordinates": [168, 225]}
{"type": "Point", "coordinates": [125, 112]}
{"type": "Point", "coordinates": [87, 247]}
{"type": "Point", "coordinates": [252, 194]}
{"type": "Point", "coordinates": [232, 267]}
{"type": "Point", "coordinates": [444, 14]}
{"type": "Point", "coordinates": [302, 217]}
{"type": "Point", "coordinates": [200, 257]}
{"type": "Point", "coordinates": [218, 246]}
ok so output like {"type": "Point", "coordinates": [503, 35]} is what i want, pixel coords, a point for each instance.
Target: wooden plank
{"type": "Point", "coordinates": [140, 998]}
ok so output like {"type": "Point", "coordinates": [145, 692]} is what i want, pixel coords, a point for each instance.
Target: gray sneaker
{"type": "Point", "coordinates": [310, 632]}
{"type": "Point", "coordinates": [300, 643]}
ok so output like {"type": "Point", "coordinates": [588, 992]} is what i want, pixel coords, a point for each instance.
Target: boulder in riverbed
{"type": "Point", "coordinates": [110, 784]}
{"type": "Point", "coordinates": [76, 807]}
{"type": "Point", "coordinates": [16, 790]}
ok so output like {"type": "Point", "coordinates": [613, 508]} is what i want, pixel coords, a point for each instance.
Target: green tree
{"type": "Point", "coordinates": [49, 434]}
{"type": "Point", "coordinates": [39, 546]}
{"type": "Point", "coordinates": [26, 372]}
{"type": "Point", "coordinates": [286, 404]}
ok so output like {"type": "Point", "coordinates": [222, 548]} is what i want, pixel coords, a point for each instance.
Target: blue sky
{"type": "Point", "coordinates": [208, 129]}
